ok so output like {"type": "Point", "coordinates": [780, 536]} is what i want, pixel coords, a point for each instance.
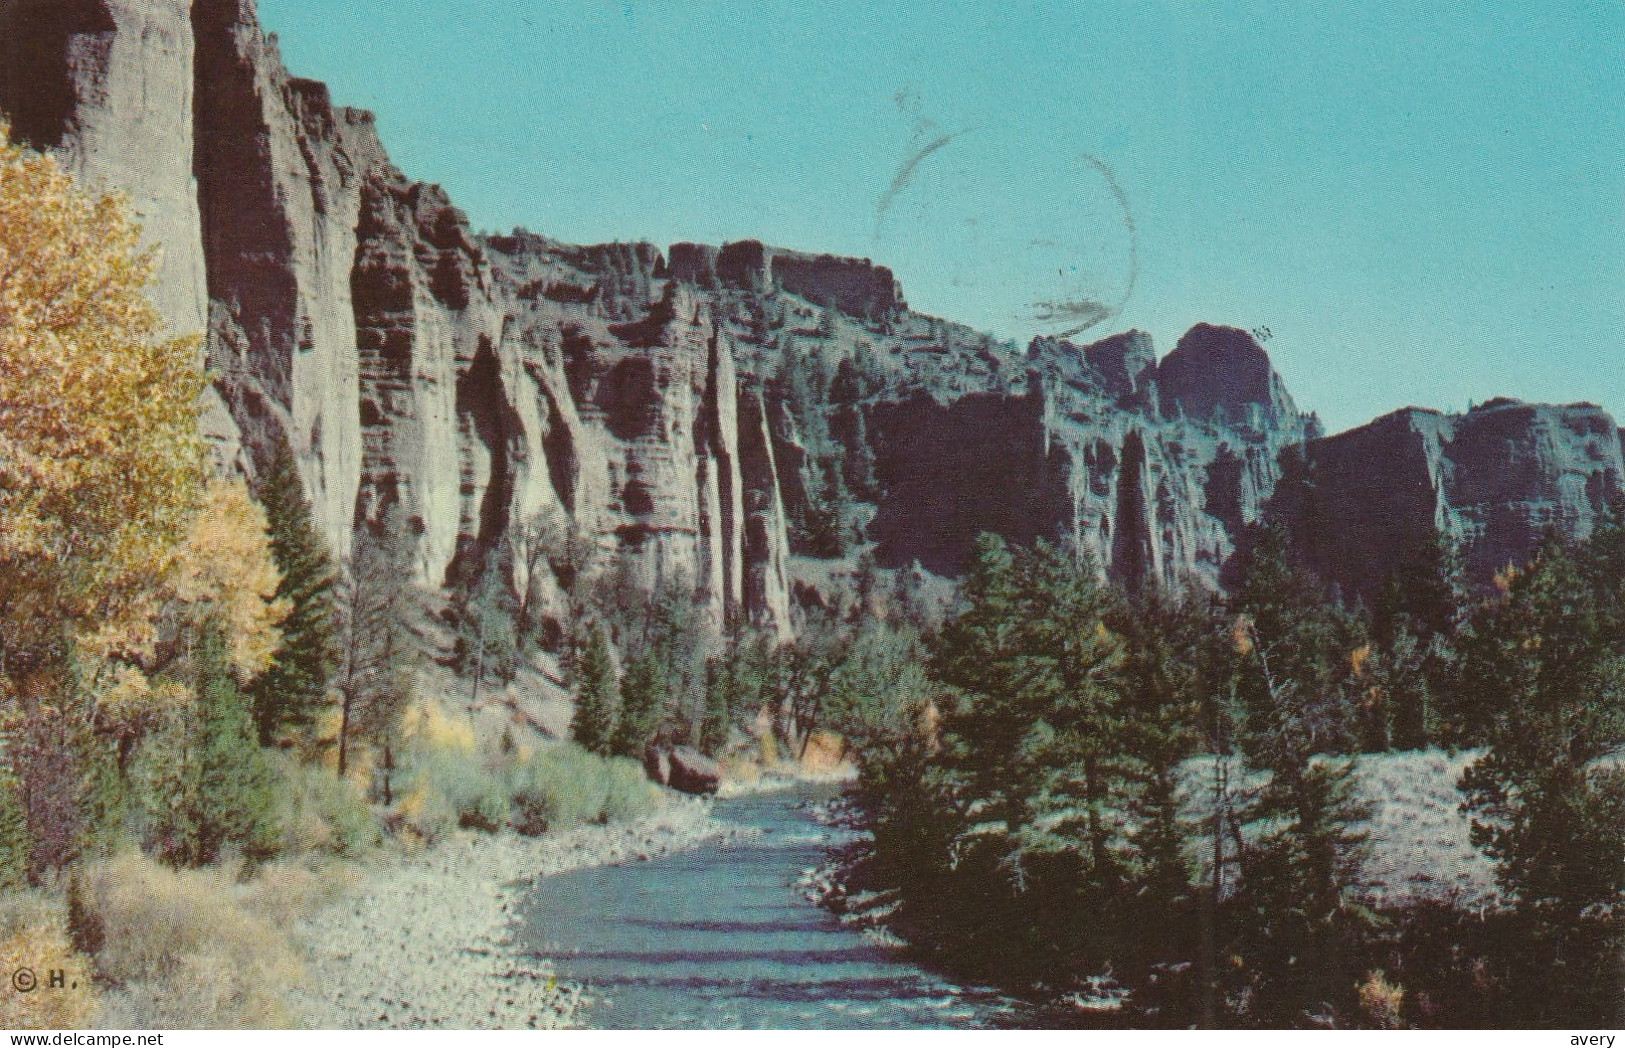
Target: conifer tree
{"type": "Point", "coordinates": [598, 696]}
{"type": "Point", "coordinates": [1547, 805]}
{"type": "Point", "coordinates": [1297, 922]}
{"type": "Point", "coordinates": [1163, 713]}
{"type": "Point", "coordinates": [290, 692]}
{"type": "Point", "coordinates": [643, 701]}
{"type": "Point", "coordinates": [373, 600]}
{"type": "Point", "coordinates": [235, 797]}
{"type": "Point", "coordinates": [488, 638]}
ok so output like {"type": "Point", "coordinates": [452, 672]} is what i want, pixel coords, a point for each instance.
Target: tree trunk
{"type": "Point", "coordinates": [344, 734]}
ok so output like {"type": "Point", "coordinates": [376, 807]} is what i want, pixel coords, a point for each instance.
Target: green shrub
{"type": "Point", "coordinates": [451, 787]}
{"type": "Point", "coordinates": [15, 843]}
{"type": "Point", "coordinates": [631, 795]}
{"type": "Point", "coordinates": [564, 786]}
{"type": "Point", "coordinates": [324, 813]}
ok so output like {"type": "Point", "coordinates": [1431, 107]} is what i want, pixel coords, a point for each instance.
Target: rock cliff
{"type": "Point", "coordinates": [1497, 480]}
{"type": "Point", "coordinates": [701, 415]}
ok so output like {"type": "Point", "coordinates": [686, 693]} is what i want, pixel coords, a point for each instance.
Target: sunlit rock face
{"type": "Point", "coordinates": [496, 393]}
{"type": "Point", "coordinates": [106, 85]}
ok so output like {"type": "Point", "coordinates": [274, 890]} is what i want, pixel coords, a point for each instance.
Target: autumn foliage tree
{"type": "Point", "coordinates": [134, 597]}
{"type": "Point", "coordinates": [100, 453]}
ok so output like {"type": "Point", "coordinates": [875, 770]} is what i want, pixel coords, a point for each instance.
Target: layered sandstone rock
{"type": "Point", "coordinates": [512, 394]}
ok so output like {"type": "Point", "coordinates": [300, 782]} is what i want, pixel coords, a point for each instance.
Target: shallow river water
{"type": "Point", "coordinates": [720, 938]}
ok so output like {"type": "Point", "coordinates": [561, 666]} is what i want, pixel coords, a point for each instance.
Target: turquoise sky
{"type": "Point", "coordinates": [1424, 202]}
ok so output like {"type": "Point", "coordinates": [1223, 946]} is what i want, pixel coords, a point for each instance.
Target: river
{"type": "Point", "coordinates": [720, 938]}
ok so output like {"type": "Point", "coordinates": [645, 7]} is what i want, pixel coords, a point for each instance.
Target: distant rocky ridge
{"type": "Point", "coordinates": [501, 390]}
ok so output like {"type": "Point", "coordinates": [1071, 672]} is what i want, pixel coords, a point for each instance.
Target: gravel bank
{"type": "Point", "coordinates": [424, 942]}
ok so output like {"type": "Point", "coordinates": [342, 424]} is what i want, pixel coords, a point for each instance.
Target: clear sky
{"type": "Point", "coordinates": [1423, 202]}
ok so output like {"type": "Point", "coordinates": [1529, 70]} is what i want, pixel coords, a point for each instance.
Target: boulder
{"type": "Point", "coordinates": [694, 772]}
{"type": "Point", "coordinates": [657, 764]}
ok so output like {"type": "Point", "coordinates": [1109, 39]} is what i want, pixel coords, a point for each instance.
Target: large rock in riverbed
{"type": "Point", "coordinates": [657, 765]}
{"type": "Point", "coordinates": [694, 772]}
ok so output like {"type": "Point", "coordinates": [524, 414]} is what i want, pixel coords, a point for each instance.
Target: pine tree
{"type": "Point", "coordinates": [1163, 641]}
{"type": "Point", "coordinates": [825, 523]}
{"type": "Point", "coordinates": [1298, 925]}
{"type": "Point", "coordinates": [643, 704]}
{"type": "Point", "coordinates": [289, 693]}
{"type": "Point", "coordinates": [598, 696]}
{"type": "Point", "coordinates": [714, 727]}
{"type": "Point", "coordinates": [488, 640]}
{"type": "Point", "coordinates": [1040, 727]}
{"type": "Point", "coordinates": [202, 777]}
{"type": "Point", "coordinates": [236, 799]}
{"type": "Point", "coordinates": [1546, 806]}
{"type": "Point", "coordinates": [373, 601]}
{"type": "Point", "coordinates": [1415, 622]}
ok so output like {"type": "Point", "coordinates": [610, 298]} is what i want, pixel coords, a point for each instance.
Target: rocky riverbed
{"type": "Point", "coordinates": [424, 942]}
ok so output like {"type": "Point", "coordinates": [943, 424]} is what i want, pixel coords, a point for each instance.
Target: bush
{"type": "Point", "coordinates": [630, 794]}
{"type": "Point", "coordinates": [564, 786]}
{"type": "Point", "coordinates": [286, 891]}
{"type": "Point", "coordinates": [450, 787]}
{"type": "Point", "coordinates": [322, 813]}
{"type": "Point", "coordinates": [15, 842]}
{"type": "Point", "coordinates": [188, 952]}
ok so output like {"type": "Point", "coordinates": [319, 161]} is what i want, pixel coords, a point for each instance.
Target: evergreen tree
{"type": "Point", "coordinates": [1415, 622]}
{"type": "Point", "coordinates": [1546, 804]}
{"type": "Point", "coordinates": [1297, 923]}
{"type": "Point", "coordinates": [375, 654]}
{"type": "Point", "coordinates": [1164, 641]}
{"type": "Point", "coordinates": [204, 780]}
{"type": "Point", "coordinates": [1035, 746]}
{"type": "Point", "coordinates": [598, 696]}
{"type": "Point", "coordinates": [235, 797]}
{"type": "Point", "coordinates": [488, 637]}
{"type": "Point", "coordinates": [714, 728]}
{"type": "Point", "coordinates": [825, 527]}
{"type": "Point", "coordinates": [288, 694]}
{"type": "Point", "coordinates": [643, 703]}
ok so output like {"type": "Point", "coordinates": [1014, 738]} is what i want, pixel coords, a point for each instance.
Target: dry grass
{"type": "Point", "coordinates": [34, 935]}
{"type": "Point", "coordinates": [189, 950]}
{"type": "Point", "coordinates": [1418, 845]}
{"type": "Point", "coordinates": [284, 893]}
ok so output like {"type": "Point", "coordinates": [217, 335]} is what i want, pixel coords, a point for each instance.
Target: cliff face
{"type": "Point", "coordinates": [1496, 480]}
{"type": "Point", "coordinates": [107, 86]}
{"type": "Point", "coordinates": [686, 415]}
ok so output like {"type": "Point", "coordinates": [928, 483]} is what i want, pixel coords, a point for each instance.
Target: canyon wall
{"type": "Point", "coordinates": [512, 394]}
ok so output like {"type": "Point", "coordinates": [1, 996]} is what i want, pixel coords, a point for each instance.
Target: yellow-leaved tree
{"type": "Point", "coordinates": [135, 598]}
{"type": "Point", "coordinates": [221, 576]}
{"type": "Point", "coordinates": [101, 460]}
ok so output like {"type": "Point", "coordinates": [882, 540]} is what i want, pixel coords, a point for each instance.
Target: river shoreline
{"type": "Point", "coordinates": [424, 942]}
